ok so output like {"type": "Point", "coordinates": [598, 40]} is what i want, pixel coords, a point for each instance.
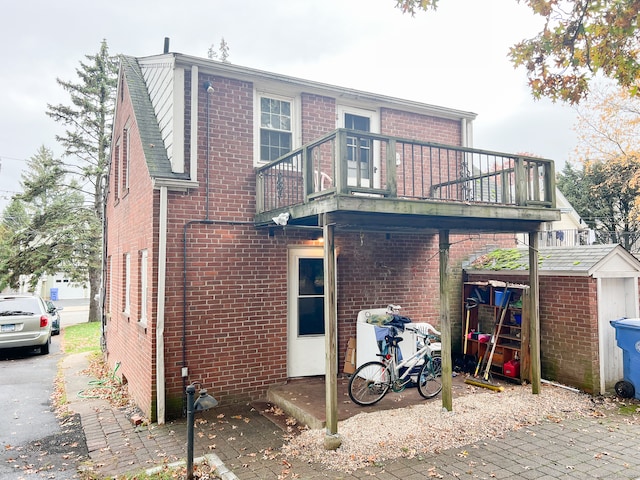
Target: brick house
{"type": "Point", "coordinates": [223, 184]}
{"type": "Point", "coordinates": [582, 288]}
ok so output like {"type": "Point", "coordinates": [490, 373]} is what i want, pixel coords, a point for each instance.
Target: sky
{"type": "Point", "coordinates": [455, 57]}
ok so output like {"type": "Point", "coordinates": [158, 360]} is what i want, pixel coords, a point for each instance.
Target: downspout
{"type": "Point", "coordinates": [466, 134]}
{"type": "Point", "coordinates": [162, 270]}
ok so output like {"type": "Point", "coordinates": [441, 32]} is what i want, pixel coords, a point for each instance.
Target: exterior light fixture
{"type": "Point", "coordinates": [204, 402]}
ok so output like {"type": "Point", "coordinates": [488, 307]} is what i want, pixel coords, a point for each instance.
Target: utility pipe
{"type": "Point", "coordinates": [160, 314]}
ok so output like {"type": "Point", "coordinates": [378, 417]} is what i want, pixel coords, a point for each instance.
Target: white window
{"type": "Point", "coordinates": [127, 284]}
{"type": "Point", "coordinates": [277, 126]}
{"type": "Point", "coordinates": [109, 283]}
{"type": "Point", "coordinates": [116, 169]}
{"type": "Point", "coordinates": [127, 157]}
{"type": "Point", "coordinates": [144, 260]}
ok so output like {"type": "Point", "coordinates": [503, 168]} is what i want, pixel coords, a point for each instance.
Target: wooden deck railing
{"type": "Point", "coordinates": [347, 162]}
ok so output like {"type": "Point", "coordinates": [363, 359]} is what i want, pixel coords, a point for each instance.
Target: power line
{"type": "Point", "coordinates": [5, 157]}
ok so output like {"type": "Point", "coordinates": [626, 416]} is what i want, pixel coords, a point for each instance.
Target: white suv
{"type": "Point", "coordinates": [24, 322]}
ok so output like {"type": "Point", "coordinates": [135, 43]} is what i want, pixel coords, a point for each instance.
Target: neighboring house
{"type": "Point", "coordinates": [569, 231]}
{"type": "Point", "coordinates": [54, 287]}
{"type": "Point", "coordinates": [229, 189]}
{"type": "Point", "coordinates": [582, 288]}
{"type": "Point", "coordinates": [61, 287]}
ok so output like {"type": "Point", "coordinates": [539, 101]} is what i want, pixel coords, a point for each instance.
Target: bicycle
{"type": "Point", "coordinates": [372, 380]}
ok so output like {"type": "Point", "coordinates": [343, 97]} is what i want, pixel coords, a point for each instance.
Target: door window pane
{"type": "Point", "coordinates": [310, 316]}
{"type": "Point", "coordinates": [358, 150]}
{"type": "Point", "coordinates": [310, 296]}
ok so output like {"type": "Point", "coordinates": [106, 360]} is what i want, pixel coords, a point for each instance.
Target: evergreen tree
{"type": "Point", "coordinates": [13, 220]}
{"type": "Point", "coordinates": [43, 232]}
{"type": "Point", "coordinates": [88, 123]}
{"type": "Point", "coordinates": [222, 53]}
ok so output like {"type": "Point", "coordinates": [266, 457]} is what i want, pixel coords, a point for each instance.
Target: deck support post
{"type": "Point", "coordinates": [332, 439]}
{"type": "Point", "coordinates": [445, 322]}
{"type": "Point", "coordinates": [534, 315]}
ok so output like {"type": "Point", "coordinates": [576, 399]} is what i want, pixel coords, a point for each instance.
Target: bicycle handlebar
{"type": "Point", "coordinates": [430, 336]}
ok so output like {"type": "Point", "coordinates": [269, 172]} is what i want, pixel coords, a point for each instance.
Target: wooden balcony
{"type": "Point", "coordinates": [370, 181]}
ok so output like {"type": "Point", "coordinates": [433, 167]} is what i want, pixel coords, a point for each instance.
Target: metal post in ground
{"type": "Point", "coordinates": [191, 390]}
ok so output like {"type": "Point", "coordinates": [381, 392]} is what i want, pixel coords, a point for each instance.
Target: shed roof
{"type": "Point", "coordinates": [610, 260]}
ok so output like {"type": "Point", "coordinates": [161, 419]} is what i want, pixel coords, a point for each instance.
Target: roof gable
{"type": "Point", "coordinates": [155, 153]}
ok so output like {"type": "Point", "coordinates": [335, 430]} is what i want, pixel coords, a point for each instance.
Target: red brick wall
{"type": "Point", "coordinates": [420, 127]}
{"type": "Point", "coordinates": [375, 270]}
{"type": "Point", "coordinates": [569, 348]}
{"type": "Point", "coordinates": [130, 228]}
{"type": "Point", "coordinates": [318, 116]}
{"type": "Point", "coordinates": [236, 310]}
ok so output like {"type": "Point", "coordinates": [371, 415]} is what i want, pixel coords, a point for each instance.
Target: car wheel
{"type": "Point", "coordinates": [44, 349]}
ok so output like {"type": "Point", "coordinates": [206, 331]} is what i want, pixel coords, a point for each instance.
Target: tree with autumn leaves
{"type": "Point", "coordinates": [604, 184]}
{"type": "Point", "coordinates": [582, 42]}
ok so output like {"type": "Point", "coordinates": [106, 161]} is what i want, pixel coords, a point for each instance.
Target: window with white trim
{"type": "Point", "coordinates": [127, 284]}
{"type": "Point", "coordinates": [109, 282]}
{"type": "Point", "coordinates": [277, 123]}
{"type": "Point", "coordinates": [127, 158]}
{"type": "Point", "coordinates": [144, 262]}
{"type": "Point", "coordinates": [116, 170]}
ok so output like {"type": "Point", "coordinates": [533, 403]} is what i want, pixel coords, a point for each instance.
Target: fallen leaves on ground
{"type": "Point", "coordinates": [371, 438]}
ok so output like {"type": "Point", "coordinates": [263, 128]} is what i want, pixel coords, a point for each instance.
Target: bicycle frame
{"type": "Point", "coordinates": [372, 380]}
{"type": "Point", "coordinates": [424, 353]}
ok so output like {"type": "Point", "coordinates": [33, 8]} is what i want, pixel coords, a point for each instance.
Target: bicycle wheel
{"type": "Point", "coordinates": [430, 377]}
{"type": "Point", "coordinates": [369, 383]}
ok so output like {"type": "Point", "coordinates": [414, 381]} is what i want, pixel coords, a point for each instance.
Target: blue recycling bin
{"type": "Point", "coordinates": [53, 294]}
{"type": "Point", "coordinates": [628, 339]}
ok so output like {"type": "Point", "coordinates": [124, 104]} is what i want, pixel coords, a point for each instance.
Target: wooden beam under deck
{"type": "Point", "coordinates": [398, 214]}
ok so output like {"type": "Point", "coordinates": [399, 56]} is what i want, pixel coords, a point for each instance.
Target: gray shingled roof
{"type": "Point", "coordinates": [579, 259]}
{"type": "Point", "coordinates": [150, 136]}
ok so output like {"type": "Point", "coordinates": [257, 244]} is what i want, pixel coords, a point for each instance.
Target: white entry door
{"type": "Point", "coordinates": [617, 298]}
{"type": "Point", "coordinates": [305, 353]}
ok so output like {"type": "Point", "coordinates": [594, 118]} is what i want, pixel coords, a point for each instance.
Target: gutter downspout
{"type": "Point", "coordinates": [466, 134]}
{"type": "Point", "coordinates": [162, 270]}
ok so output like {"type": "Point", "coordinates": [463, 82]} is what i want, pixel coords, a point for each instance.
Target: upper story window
{"type": "Point", "coordinates": [116, 168]}
{"type": "Point", "coordinates": [278, 125]}
{"type": "Point", "coordinates": [126, 160]}
{"type": "Point", "coordinates": [127, 284]}
{"type": "Point", "coordinates": [144, 286]}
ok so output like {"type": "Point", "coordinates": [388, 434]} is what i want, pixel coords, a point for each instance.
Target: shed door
{"type": "Point", "coordinates": [306, 342]}
{"type": "Point", "coordinates": [617, 298]}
